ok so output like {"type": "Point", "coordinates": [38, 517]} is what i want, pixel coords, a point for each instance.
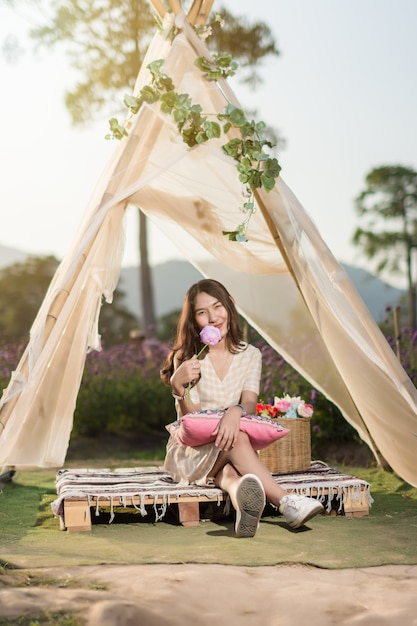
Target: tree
{"type": "Point", "coordinates": [106, 41]}
{"type": "Point", "coordinates": [388, 207]}
{"type": "Point", "coordinates": [22, 289]}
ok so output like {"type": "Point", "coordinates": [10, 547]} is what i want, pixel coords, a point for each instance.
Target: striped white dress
{"type": "Point", "coordinates": [188, 465]}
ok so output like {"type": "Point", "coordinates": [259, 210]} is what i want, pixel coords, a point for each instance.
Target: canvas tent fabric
{"type": "Point", "coordinates": [285, 281]}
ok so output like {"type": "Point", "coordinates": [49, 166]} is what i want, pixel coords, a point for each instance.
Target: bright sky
{"type": "Point", "coordinates": [343, 93]}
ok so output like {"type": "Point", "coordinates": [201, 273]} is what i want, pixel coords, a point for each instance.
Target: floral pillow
{"type": "Point", "coordinates": [195, 429]}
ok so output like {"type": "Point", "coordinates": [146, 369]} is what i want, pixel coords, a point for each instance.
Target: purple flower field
{"type": "Point", "coordinates": [121, 390]}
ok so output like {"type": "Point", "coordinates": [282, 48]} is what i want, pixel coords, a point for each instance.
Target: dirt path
{"type": "Point", "coordinates": [203, 595]}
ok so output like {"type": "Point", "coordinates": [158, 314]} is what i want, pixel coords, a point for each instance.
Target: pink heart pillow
{"type": "Point", "coordinates": [195, 429]}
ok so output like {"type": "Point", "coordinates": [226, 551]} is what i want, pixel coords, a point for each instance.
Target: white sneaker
{"type": "Point", "coordinates": [250, 503]}
{"type": "Point", "coordinates": [297, 510]}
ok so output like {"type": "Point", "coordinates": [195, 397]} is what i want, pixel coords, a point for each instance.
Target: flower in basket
{"type": "Point", "coordinates": [285, 407]}
{"type": "Point", "coordinates": [292, 454]}
{"type": "Point", "coordinates": [292, 407]}
{"type": "Point", "coordinates": [266, 410]}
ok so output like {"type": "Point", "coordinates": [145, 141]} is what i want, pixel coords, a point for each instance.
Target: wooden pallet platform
{"type": "Point", "coordinates": [77, 510]}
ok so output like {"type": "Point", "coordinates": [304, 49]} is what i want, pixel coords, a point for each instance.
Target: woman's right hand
{"type": "Point", "coordinates": [186, 373]}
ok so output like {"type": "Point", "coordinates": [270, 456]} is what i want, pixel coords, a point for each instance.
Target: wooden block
{"type": "Point", "coordinates": [77, 515]}
{"type": "Point", "coordinates": [355, 508]}
{"type": "Point", "coordinates": [189, 513]}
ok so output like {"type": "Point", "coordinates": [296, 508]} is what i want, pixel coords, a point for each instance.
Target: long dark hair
{"type": "Point", "coordinates": [187, 341]}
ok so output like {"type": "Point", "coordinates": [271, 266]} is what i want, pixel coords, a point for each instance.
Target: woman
{"type": "Point", "coordinates": [225, 376]}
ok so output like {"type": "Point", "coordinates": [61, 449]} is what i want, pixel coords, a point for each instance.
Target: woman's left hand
{"type": "Point", "coordinates": [227, 430]}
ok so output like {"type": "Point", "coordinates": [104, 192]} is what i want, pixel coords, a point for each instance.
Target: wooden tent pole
{"type": "Point", "coordinates": [159, 7]}
{"type": "Point", "coordinates": [274, 232]}
{"type": "Point", "coordinates": [194, 11]}
{"type": "Point", "coordinates": [175, 6]}
{"type": "Point", "coordinates": [204, 12]}
{"type": "Point", "coordinates": [278, 242]}
{"type": "Point", "coordinates": [199, 11]}
{"type": "Point", "coordinates": [397, 333]}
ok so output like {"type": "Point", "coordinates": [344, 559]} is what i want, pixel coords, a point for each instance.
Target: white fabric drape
{"type": "Point", "coordinates": [285, 281]}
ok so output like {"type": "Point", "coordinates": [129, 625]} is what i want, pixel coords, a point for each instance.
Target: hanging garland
{"type": "Point", "coordinates": [255, 167]}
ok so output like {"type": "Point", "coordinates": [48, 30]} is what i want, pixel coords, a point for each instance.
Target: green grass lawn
{"type": "Point", "coordinates": [30, 534]}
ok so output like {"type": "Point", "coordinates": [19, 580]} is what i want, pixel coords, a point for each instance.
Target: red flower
{"type": "Point", "coordinates": [267, 410]}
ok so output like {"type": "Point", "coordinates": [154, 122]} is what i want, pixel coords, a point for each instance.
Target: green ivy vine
{"type": "Point", "coordinates": [255, 167]}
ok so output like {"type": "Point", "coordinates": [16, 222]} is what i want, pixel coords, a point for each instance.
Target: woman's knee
{"type": "Point", "coordinates": [242, 440]}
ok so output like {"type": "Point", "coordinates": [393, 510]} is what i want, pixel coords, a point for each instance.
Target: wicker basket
{"type": "Point", "coordinates": [292, 453]}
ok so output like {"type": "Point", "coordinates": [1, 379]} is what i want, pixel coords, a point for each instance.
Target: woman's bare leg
{"type": "Point", "coordinates": [241, 460]}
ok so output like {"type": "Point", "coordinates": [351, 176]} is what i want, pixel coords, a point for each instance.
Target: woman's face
{"type": "Point", "coordinates": [209, 310]}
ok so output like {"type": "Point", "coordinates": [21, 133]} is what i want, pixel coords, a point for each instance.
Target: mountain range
{"type": "Point", "coordinates": [172, 279]}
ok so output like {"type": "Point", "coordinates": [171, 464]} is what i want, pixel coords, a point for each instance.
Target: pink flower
{"type": "Point", "coordinates": [210, 335]}
{"type": "Point", "coordinates": [293, 406]}
{"type": "Point", "coordinates": [305, 410]}
{"type": "Point", "coordinates": [282, 405]}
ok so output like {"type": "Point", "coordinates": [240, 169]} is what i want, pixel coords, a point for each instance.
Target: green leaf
{"type": "Point", "coordinates": [227, 127]}
{"type": "Point", "coordinates": [196, 108]}
{"type": "Point", "coordinates": [229, 108]}
{"type": "Point", "coordinates": [272, 168]}
{"type": "Point", "coordinates": [259, 127]}
{"type": "Point", "coordinates": [223, 59]}
{"type": "Point", "coordinates": [168, 101]}
{"type": "Point", "coordinates": [258, 156]}
{"type": "Point", "coordinates": [130, 100]}
{"type": "Point", "coordinates": [236, 235]}
{"type": "Point", "coordinates": [246, 129]}
{"type": "Point", "coordinates": [268, 182]}
{"type": "Point", "coordinates": [201, 137]}
{"type": "Point", "coordinates": [203, 64]}
{"type": "Point", "coordinates": [255, 179]}
{"type": "Point", "coordinates": [165, 83]}
{"type": "Point", "coordinates": [222, 66]}
{"type": "Point", "coordinates": [180, 115]}
{"type": "Point", "coordinates": [231, 234]}
{"type": "Point", "coordinates": [212, 129]}
{"type": "Point", "coordinates": [245, 164]}
{"type": "Point", "coordinates": [245, 177]}
{"type": "Point", "coordinates": [155, 67]}
{"type": "Point", "coordinates": [118, 131]}
{"type": "Point", "coordinates": [133, 103]}
{"type": "Point", "coordinates": [265, 142]}
{"type": "Point", "coordinates": [251, 149]}
{"type": "Point", "coordinates": [149, 94]}
{"type": "Point", "coordinates": [238, 118]}
{"type": "Point", "coordinates": [188, 137]}
{"type": "Point", "coordinates": [232, 147]}
{"type": "Point", "coordinates": [183, 100]}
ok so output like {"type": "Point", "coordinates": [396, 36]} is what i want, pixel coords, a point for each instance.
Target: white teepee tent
{"type": "Point", "coordinates": [285, 280]}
